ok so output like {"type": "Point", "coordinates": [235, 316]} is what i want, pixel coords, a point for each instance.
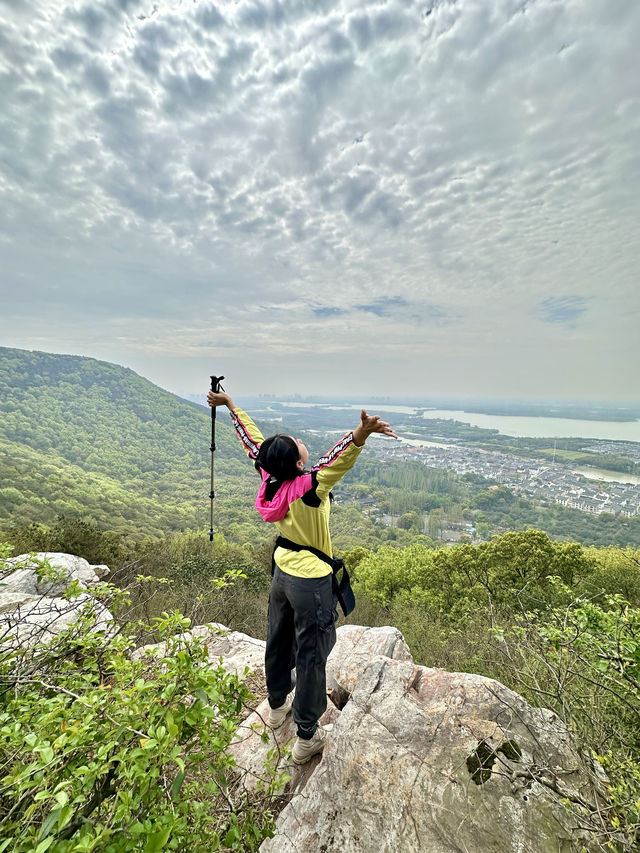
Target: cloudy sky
{"type": "Point", "coordinates": [326, 197]}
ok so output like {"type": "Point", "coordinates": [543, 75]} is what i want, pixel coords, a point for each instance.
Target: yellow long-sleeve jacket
{"type": "Point", "coordinates": [300, 507]}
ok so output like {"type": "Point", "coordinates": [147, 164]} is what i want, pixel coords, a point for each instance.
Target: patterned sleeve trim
{"type": "Point", "coordinates": [243, 434]}
{"type": "Point", "coordinates": [335, 451]}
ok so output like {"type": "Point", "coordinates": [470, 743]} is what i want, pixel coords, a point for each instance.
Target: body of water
{"type": "Point", "coordinates": [521, 427]}
{"type": "Point", "coordinates": [372, 408]}
{"type": "Point", "coordinates": [418, 442]}
{"type": "Point", "coordinates": [527, 427]}
{"type": "Point", "coordinates": [607, 476]}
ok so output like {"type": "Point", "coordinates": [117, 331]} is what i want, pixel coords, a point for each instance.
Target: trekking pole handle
{"type": "Point", "coordinates": [215, 386]}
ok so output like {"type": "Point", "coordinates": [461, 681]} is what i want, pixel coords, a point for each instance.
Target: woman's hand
{"type": "Point", "coordinates": [219, 398]}
{"type": "Point", "coordinates": [369, 424]}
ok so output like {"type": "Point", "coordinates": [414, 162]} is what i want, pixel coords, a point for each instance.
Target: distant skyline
{"type": "Point", "coordinates": [339, 198]}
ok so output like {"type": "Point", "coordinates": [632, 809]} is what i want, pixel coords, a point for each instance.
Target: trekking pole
{"type": "Point", "coordinates": [216, 387]}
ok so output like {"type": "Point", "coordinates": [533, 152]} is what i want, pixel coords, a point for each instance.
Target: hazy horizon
{"type": "Point", "coordinates": [418, 400]}
{"type": "Point", "coordinates": [408, 399]}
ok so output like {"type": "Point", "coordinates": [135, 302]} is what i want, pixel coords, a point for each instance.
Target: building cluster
{"type": "Point", "coordinates": [628, 449]}
{"type": "Point", "coordinates": [529, 477]}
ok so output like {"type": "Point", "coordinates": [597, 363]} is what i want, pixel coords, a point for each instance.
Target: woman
{"type": "Point", "coordinates": [301, 616]}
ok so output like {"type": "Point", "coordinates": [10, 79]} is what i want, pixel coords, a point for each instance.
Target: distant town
{"type": "Point", "coordinates": [529, 467]}
{"type": "Point", "coordinates": [529, 477]}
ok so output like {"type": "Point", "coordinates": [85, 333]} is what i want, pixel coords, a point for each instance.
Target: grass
{"type": "Point", "coordinates": [569, 455]}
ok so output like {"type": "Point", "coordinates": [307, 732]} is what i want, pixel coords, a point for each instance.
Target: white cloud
{"type": "Point", "coordinates": [177, 177]}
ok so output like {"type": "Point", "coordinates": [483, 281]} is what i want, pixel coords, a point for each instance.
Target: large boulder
{"type": "Point", "coordinates": [417, 759]}
{"type": "Point", "coordinates": [32, 607]}
{"type": "Point", "coordinates": [39, 619]}
{"type": "Point", "coordinates": [427, 761]}
{"type": "Point", "coordinates": [68, 568]}
{"type": "Point", "coordinates": [256, 747]}
{"type": "Point", "coordinates": [11, 601]}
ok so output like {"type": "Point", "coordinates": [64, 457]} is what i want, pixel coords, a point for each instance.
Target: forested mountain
{"type": "Point", "coordinates": [90, 440]}
{"type": "Point", "coordinates": [94, 440]}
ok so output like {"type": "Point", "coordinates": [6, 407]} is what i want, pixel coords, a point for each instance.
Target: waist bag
{"type": "Point", "coordinates": [341, 588]}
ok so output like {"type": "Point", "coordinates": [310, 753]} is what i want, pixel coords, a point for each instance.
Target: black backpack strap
{"type": "Point", "coordinates": [283, 542]}
{"type": "Point", "coordinates": [341, 589]}
{"type": "Point", "coordinates": [310, 498]}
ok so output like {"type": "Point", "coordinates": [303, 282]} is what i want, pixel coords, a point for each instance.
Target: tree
{"type": "Point", "coordinates": [434, 524]}
{"type": "Point", "coordinates": [582, 659]}
{"type": "Point", "coordinates": [409, 520]}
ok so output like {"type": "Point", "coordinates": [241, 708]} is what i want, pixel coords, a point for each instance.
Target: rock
{"type": "Point", "coordinates": [42, 618]}
{"type": "Point", "coordinates": [69, 567]}
{"type": "Point", "coordinates": [426, 760]}
{"type": "Point", "coordinates": [22, 581]}
{"type": "Point", "coordinates": [32, 609]}
{"type": "Point", "coordinates": [101, 571]}
{"type": "Point", "coordinates": [355, 645]}
{"type": "Point", "coordinates": [354, 648]}
{"type": "Point", "coordinates": [237, 650]}
{"type": "Point", "coordinates": [10, 601]}
{"type": "Point", "coordinates": [252, 754]}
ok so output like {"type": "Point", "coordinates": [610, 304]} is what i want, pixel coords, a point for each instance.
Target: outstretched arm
{"type": "Point", "coordinates": [368, 425]}
{"type": "Point", "coordinates": [341, 458]}
{"type": "Point", "coordinates": [246, 430]}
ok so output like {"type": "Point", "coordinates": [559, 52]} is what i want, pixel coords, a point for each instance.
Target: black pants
{"type": "Point", "coordinates": [301, 628]}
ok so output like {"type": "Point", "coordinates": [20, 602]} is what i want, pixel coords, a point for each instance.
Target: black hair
{"type": "Point", "coordinates": [278, 456]}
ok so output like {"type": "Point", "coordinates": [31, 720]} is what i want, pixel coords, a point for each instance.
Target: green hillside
{"type": "Point", "coordinates": [93, 440]}
{"type": "Point", "coordinates": [90, 440]}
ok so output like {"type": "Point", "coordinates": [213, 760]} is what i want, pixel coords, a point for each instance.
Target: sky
{"type": "Point", "coordinates": [328, 197]}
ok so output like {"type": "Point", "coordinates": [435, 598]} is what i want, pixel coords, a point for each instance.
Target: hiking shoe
{"type": "Point", "coordinates": [303, 750]}
{"type": "Point", "coordinates": [277, 716]}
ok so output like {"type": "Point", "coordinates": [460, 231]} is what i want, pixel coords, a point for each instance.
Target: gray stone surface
{"type": "Point", "coordinates": [397, 774]}
{"type": "Point", "coordinates": [42, 618]}
{"type": "Point", "coordinates": [354, 648]}
{"type": "Point", "coordinates": [251, 753]}
{"type": "Point", "coordinates": [24, 579]}
{"type": "Point", "coordinates": [33, 611]}
{"type": "Point", "coordinates": [237, 650]}
{"type": "Point", "coordinates": [21, 581]}
{"type": "Point", "coordinates": [10, 601]}
{"type": "Point", "coordinates": [355, 645]}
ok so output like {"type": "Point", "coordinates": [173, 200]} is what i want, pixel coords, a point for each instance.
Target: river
{"type": "Point", "coordinates": [528, 427]}
{"type": "Point", "coordinates": [607, 476]}
{"type": "Point", "coordinates": [521, 427]}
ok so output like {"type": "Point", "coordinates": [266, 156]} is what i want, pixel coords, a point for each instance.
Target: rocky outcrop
{"type": "Point", "coordinates": [354, 648]}
{"type": "Point", "coordinates": [257, 748]}
{"type": "Point", "coordinates": [67, 567]}
{"type": "Point", "coordinates": [355, 645]}
{"type": "Point", "coordinates": [421, 759]}
{"type": "Point", "coordinates": [426, 760]}
{"type": "Point", "coordinates": [33, 608]}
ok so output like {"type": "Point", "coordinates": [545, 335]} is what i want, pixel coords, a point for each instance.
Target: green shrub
{"type": "Point", "coordinates": [193, 565]}
{"type": "Point", "coordinates": [582, 659]}
{"type": "Point", "coordinates": [103, 751]}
